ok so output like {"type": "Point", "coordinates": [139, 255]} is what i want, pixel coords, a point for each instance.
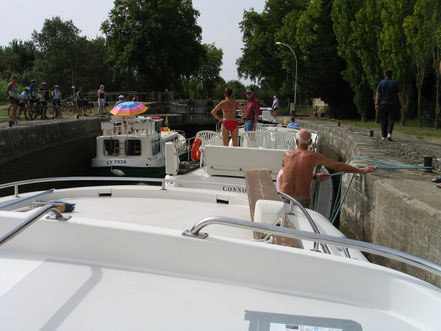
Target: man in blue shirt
{"type": "Point", "coordinates": [120, 100]}
{"type": "Point", "coordinates": [32, 91]}
{"type": "Point", "coordinates": [388, 93]}
{"type": "Point", "coordinates": [293, 124]}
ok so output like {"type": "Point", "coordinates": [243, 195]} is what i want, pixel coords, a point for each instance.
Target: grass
{"type": "Point", "coordinates": [4, 114]}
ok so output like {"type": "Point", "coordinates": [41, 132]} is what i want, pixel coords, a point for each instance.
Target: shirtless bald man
{"type": "Point", "coordinates": [299, 166]}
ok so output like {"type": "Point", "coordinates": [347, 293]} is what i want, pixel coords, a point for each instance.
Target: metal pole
{"type": "Point", "coordinates": [295, 82]}
{"type": "Point", "coordinates": [29, 220]}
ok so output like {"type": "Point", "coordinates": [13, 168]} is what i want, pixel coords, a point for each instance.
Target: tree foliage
{"type": "Point", "coordinates": [65, 58]}
{"type": "Point", "coordinates": [393, 46]}
{"type": "Point", "coordinates": [321, 65]}
{"type": "Point", "coordinates": [343, 16]}
{"type": "Point", "coordinates": [260, 60]}
{"type": "Point", "coordinates": [153, 44]}
{"type": "Point", "coordinates": [204, 79]}
{"type": "Point", "coordinates": [419, 29]}
{"type": "Point", "coordinates": [17, 58]}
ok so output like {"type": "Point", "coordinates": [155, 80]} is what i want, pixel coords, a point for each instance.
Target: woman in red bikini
{"type": "Point", "coordinates": [229, 120]}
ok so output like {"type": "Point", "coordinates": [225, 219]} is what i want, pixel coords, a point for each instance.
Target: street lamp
{"type": "Point", "coordinates": [295, 82]}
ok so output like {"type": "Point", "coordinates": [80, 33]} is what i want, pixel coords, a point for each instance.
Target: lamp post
{"type": "Point", "coordinates": [295, 82]}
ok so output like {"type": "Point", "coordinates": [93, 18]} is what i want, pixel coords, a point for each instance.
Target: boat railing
{"type": "Point", "coordinates": [16, 185]}
{"type": "Point", "coordinates": [383, 251]}
{"type": "Point", "coordinates": [314, 227]}
{"type": "Point", "coordinates": [29, 220]}
{"type": "Point", "coordinates": [189, 144]}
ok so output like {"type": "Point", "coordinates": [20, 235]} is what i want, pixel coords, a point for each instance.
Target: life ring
{"type": "Point", "coordinates": [195, 152]}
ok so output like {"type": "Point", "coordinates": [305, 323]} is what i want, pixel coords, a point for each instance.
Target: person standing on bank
{"type": "Point", "coordinates": [253, 111]}
{"type": "Point", "coordinates": [386, 102]}
{"type": "Point", "coordinates": [275, 106]}
{"type": "Point", "coordinates": [101, 100]}
{"type": "Point", "coordinates": [56, 99]}
{"type": "Point", "coordinates": [229, 120]}
{"type": "Point", "coordinates": [13, 94]}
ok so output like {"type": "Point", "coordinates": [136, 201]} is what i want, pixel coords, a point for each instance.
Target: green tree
{"type": "Point", "coordinates": [419, 28]}
{"type": "Point", "coordinates": [59, 52]}
{"type": "Point", "coordinates": [94, 69]}
{"type": "Point", "coordinates": [207, 74]}
{"type": "Point", "coordinates": [153, 44]}
{"type": "Point", "coordinates": [436, 51]}
{"type": "Point", "coordinates": [238, 89]}
{"type": "Point", "coordinates": [367, 27]}
{"type": "Point", "coordinates": [261, 59]}
{"type": "Point", "coordinates": [320, 76]}
{"type": "Point", "coordinates": [343, 16]}
{"type": "Point", "coordinates": [393, 46]}
{"type": "Point", "coordinates": [17, 58]}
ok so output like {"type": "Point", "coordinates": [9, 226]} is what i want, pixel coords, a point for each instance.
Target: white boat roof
{"type": "Point", "coordinates": [121, 262]}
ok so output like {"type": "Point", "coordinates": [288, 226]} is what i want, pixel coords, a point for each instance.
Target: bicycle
{"type": "Point", "coordinates": [51, 111]}
{"type": "Point", "coordinates": [70, 108]}
{"type": "Point", "coordinates": [38, 109]}
{"type": "Point", "coordinates": [23, 111]}
{"type": "Point", "coordinates": [86, 107]}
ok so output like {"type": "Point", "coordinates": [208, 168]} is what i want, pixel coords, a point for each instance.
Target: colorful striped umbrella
{"type": "Point", "coordinates": [129, 108]}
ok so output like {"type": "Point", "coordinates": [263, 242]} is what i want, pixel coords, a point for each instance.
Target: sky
{"type": "Point", "coordinates": [219, 21]}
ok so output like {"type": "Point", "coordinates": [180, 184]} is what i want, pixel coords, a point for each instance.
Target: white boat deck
{"type": "Point", "coordinates": [156, 211]}
{"type": "Point", "coordinates": [121, 263]}
{"type": "Point", "coordinates": [61, 295]}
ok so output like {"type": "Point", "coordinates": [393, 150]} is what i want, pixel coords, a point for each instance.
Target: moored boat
{"type": "Point", "coordinates": [134, 146]}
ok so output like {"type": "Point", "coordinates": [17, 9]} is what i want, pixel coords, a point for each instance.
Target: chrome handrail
{"type": "Point", "coordinates": [15, 185]}
{"type": "Point", "coordinates": [35, 216]}
{"type": "Point", "coordinates": [314, 227]}
{"type": "Point", "coordinates": [20, 200]}
{"type": "Point", "coordinates": [387, 252]}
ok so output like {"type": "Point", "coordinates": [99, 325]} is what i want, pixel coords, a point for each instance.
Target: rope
{"type": "Point", "coordinates": [404, 167]}
{"type": "Point", "coordinates": [392, 165]}
{"type": "Point", "coordinates": [342, 199]}
{"type": "Point", "coordinates": [388, 165]}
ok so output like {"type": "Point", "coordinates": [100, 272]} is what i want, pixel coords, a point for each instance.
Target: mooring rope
{"type": "Point", "coordinates": [388, 165]}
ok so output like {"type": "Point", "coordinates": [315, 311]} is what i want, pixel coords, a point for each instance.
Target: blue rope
{"type": "Point", "coordinates": [389, 165]}
{"type": "Point", "coordinates": [392, 165]}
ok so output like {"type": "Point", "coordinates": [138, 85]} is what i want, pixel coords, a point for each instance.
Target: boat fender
{"type": "Point", "coordinates": [171, 159]}
{"type": "Point", "coordinates": [195, 152]}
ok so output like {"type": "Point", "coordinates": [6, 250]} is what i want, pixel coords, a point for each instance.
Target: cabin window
{"type": "Point", "coordinates": [111, 147]}
{"type": "Point", "coordinates": [134, 147]}
{"type": "Point", "coordinates": [156, 145]}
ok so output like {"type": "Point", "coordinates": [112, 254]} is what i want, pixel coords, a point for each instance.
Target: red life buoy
{"type": "Point", "coordinates": [195, 152]}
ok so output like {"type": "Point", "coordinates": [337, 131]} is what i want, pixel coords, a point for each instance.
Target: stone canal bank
{"type": "Point", "coordinates": [47, 148]}
{"type": "Point", "coordinates": [400, 209]}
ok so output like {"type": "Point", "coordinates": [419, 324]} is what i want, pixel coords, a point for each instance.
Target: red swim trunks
{"type": "Point", "coordinates": [230, 125]}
